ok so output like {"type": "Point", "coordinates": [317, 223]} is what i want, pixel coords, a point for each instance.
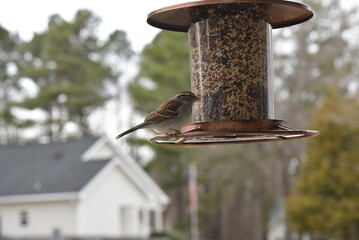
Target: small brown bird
{"type": "Point", "coordinates": [170, 116]}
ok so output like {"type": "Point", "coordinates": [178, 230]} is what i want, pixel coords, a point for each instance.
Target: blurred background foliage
{"type": "Point", "coordinates": [64, 74]}
{"type": "Point", "coordinates": [325, 197]}
{"type": "Point", "coordinates": [61, 73]}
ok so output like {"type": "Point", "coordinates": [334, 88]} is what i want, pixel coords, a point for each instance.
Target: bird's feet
{"type": "Point", "coordinates": [176, 132]}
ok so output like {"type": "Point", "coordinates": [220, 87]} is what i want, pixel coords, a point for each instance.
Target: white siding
{"type": "Point", "coordinates": [114, 197]}
{"type": "Point", "coordinates": [277, 232]}
{"type": "Point", "coordinates": [43, 218]}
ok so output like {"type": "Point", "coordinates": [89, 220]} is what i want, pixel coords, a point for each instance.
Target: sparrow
{"type": "Point", "coordinates": [170, 116]}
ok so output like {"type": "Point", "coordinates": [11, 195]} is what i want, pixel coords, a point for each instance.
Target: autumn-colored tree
{"type": "Point", "coordinates": [325, 200]}
{"type": "Point", "coordinates": [310, 58]}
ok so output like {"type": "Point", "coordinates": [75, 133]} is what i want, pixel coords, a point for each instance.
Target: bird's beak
{"type": "Point", "coordinates": [197, 98]}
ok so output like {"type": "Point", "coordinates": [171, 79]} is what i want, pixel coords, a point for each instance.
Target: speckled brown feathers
{"type": "Point", "coordinates": [170, 116]}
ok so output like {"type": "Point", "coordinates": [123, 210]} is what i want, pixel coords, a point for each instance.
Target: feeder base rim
{"type": "Point", "coordinates": [200, 137]}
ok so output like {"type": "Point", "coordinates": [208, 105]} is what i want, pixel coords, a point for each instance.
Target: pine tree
{"type": "Point", "coordinates": [10, 87]}
{"type": "Point", "coordinates": [67, 63]}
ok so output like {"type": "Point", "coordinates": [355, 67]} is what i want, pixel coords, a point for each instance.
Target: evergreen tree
{"type": "Point", "coordinates": [67, 63]}
{"type": "Point", "coordinates": [164, 71]}
{"type": "Point", "coordinates": [10, 86]}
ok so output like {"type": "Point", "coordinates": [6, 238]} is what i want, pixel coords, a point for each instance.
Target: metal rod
{"type": "Point", "coordinates": [193, 200]}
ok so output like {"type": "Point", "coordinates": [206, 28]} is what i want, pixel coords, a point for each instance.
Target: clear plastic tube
{"type": "Point", "coordinates": [231, 55]}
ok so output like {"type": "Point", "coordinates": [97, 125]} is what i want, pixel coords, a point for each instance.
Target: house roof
{"type": "Point", "coordinates": [47, 168]}
{"type": "Point", "coordinates": [104, 147]}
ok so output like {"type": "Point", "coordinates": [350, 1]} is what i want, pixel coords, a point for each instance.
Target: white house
{"type": "Point", "coordinates": [277, 228]}
{"type": "Point", "coordinates": [79, 188]}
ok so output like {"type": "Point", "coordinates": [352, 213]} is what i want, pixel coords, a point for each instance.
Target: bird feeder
{"type": "Point", "coordinates": [231, 68]}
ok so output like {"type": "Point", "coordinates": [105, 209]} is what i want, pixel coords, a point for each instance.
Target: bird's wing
{"type": "Point", "coordinates": [167, 110]}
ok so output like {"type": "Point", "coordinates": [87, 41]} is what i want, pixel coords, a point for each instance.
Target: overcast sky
{"type": "Point", "coordinates": [27, 17]}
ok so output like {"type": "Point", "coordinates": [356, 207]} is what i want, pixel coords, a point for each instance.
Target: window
{"type": "Point", "coordinates": [126, 220]}
{"type": "Point", "coordinates": [56, 234]}
{"type": "Point", "coordinates": [153, 221]}
{"type": "Point", "coordinates": [141, 215]}
{"type": "Point", "coordinates": [24, 218]}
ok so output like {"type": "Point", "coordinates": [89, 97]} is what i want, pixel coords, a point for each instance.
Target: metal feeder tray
{"type": "Point", "coordinates": [230, 132]}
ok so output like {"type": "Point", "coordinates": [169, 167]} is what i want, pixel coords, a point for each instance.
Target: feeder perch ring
{"type": "Point", "coordinates": [232, 132]}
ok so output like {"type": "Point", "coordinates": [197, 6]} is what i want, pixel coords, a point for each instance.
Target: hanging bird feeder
{"type": "Point", "coordinates": [231, 68]}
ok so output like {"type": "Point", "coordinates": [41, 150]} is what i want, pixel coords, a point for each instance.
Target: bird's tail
{"type": "Point", "coordinates": [141, 125]}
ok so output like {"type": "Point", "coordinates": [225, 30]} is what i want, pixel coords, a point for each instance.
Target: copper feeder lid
{"type": "Point", "coordinates": [230, 132]}
{"type": "Point", "coordinates": [177, 17]}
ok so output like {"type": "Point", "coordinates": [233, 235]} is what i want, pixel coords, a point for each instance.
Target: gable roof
{"type": "Point", "coordinates": [47, 168]}
{"type": "Point", "coordinates": [104, 147]}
